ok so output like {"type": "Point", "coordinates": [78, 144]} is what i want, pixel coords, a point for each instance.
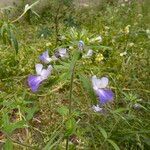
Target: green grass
{"type": "Point", "coordinates": [40, 123]}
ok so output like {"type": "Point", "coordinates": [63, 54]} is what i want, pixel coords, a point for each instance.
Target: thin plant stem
{"type": "Point", "coordinates": [71, 87]}
{"type": "Point", "coordinates": [70, 97]}
{"type": "Point", "coordinates": [56, 20]}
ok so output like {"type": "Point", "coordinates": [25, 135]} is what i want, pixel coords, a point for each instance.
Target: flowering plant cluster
{"type": "Point", "coordinates": [99, 85]}
{"type": "Point", "coordinates": [34, 81]}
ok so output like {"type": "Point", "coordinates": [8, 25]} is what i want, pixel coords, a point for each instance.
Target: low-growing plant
{"type": "Point", "coordinates": [66, 103]}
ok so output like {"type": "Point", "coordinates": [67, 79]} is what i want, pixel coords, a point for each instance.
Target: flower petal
{"type": "Point", "coordinates": [46, 72]}
{"type": "Point", "coordinates": [63, 52]}
{"type": "Point", "coordinates": [89, 54]}
{"type": "Point", "coordinates": [38, 68]}
{"type": "Point", "coordinates": [45, 57]}
{"type": "Point", "coordinates": [104, 82]}
{"type": "Point", "coordinates": [99, 83]}
{"type": "Point", "coordinates": [34, 82]}
{"type": "Point", "coordinates": [96, 82]}
{"type": "Point", "coordinates": [105, 95]}
{"type": "Point", "coordinates": [98, 39]}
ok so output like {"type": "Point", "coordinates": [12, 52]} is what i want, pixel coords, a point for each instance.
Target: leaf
{"type": "Point", "coordinates": [5, 119]}
{"type": "Point", "coordinates": [14, 42]}
{"type": "Point", "coordinates": [62, 66]}
{"type": "Point", "coordinates": [70, 126]}
{"type": "Point", "coordinates": [3, 31]}
{"type": "Point", "coordinates": [27, 6]}
{"type": "Point", "coordinates": [119, 110]}
{"type": "Point", "coordinates": [31, 112]}
{"type": "Point", "coordinates": [104, 133]}
{"type": "Point", "coordinates": [113, 144]}
{"type": "Point", "coordinates": [13, 126]}
{"type": "Point", "coordinates": [8, 36]}
{"type": "Point", "coordinates": [36, 14]}
{"type": "Point", "coordinates": [63, 77]}
{"type": "Point", "coordinates": [88, 87]}
{"type": "Point", "coordinates": [64, 111]}
{"type": "Point", "coordinates": [8, 145]}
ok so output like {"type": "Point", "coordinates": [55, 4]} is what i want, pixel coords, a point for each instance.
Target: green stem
{"type": "Point", "coordinates": [71, 87]}
{"type": "Point", "coordinates": [70, 97]}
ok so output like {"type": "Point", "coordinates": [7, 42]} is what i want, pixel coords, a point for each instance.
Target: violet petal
{"type": "Point", "coordinates": [45, 57]}
{"type": "Point", "coordinates": [46, 72]}
{"type": "Point", "coordinates": [34, 82]}
{"type": "Point", "coordinates": [105, 95]}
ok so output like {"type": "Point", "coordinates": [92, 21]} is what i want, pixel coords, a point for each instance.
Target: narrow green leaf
{"type": "Point", "coordinates": [70, 126]}
{"type": "Point", "coordinates": [27, 7]}
{"type": "Point", "coordinates": [5, 119]}
{"type": "Point", "coordinates": [104, 133]}
{"type": "Point", "coordinates": [31, 112]}
{"type": "Point", "coordinates": [14, 42]}
{"type": "Point", "coordinates": [88, 87]}
{"type": "Point", "coordinates": [113, 144]}
{"type": "Point", "coordinates": [13, 126]}
{"type": "Point", "coordinates": [119, 110]}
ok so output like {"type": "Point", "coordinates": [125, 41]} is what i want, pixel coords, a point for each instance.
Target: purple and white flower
{"type": "Point", "coordinates": [61, 53]}
{"type": "Point", "coordinates": [34, 81]}
{"type": "Point", "coordinates": [45, 57]}
{"type": "Point", "coordinates": [100, 87]}
{"type": "Point", "coordinates": [81, 45]}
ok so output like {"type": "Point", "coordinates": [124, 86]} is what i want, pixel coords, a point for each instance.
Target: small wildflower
{"type": "Point", "coordinates": [123, 4]}
{"type": "Point", "coordinates": [127, 29]}
{"type": "Point", "coordinates": [106, 27]}
{"type": "Point", "coordinates": [100, 87]}
{"type": "Point", "coordinates": [61, 53]}
{"type": "Point", "coordinates": [48, 44]}
{"type": "Point", "coordinates": [45, 57]}
{"type": "Point", "coordinates": [131, 44]}
{"type": "Point", "coordinates": [97, 39]}
{"type": "Point", "coordinates": [148, 33]}
{"type": "Point", "coordinates": [81, 45]}
{"type": "Point", "coordinates": [99, 57]}
{"type": "Point", "coordinates": [89, 54]}
{"type": "Point", "coordinates": [96, 108]}
{"type": "Point", "coordinates": [62, 38]}
{"type": "Point", "coordinates": [123, 54]}
{"type": "Point", "coordinates": [140, 15]}
{"type": "Point", "coordinates": [34, 81]}
{"type": "Point", "coordinates": [26, 6]}
{"type": "Point", "coordinates": [70, 47]}
{"type": "Point", "coordinates": [42, 35]}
